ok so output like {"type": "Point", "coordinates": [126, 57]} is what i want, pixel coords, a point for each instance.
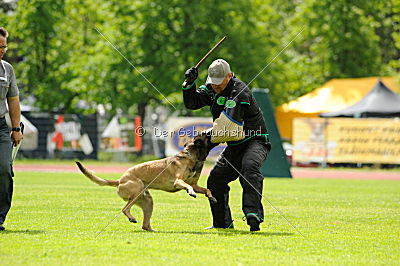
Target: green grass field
{"type": "Point", "coordinates": [56, 216]}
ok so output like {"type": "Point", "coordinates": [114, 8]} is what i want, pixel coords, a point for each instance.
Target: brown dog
{"type": "Point", "coordinates": [171, 174]}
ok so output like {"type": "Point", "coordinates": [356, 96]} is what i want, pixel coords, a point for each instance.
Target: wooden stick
{"type": "Point", "coordinates": [205, 57]}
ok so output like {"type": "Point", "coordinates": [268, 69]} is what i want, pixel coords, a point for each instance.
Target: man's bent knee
{"type": "Point", "coordinates": [250, 168]}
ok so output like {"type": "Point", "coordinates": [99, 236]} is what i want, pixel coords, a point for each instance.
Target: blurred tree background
{"type": "Point", "coordinates": [63, 61]}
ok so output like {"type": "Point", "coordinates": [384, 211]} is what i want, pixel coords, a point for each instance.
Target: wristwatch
{"type": "Point", "coordinates": [16, 129]}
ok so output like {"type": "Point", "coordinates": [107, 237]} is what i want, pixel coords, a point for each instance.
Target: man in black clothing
{"type": "Point", "coordinates": [239, 122]}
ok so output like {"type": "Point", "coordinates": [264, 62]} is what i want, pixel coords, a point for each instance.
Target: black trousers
{"type": "Point", "coordinates": [6, 173]}
{"type": "Point", "coordinates": [246, 158]}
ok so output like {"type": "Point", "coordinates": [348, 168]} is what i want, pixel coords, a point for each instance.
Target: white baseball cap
{"type": "Point", "coordinates": [217, 71]}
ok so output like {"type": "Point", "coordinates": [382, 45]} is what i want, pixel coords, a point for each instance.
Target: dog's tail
{"type": "Point", "coordinates": [96, 179]}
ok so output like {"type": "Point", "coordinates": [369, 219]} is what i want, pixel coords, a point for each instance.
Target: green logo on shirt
{"type": "Point", "coordinates": [230, 104]}
{"type": "Point", "coordinates": [221, 100]}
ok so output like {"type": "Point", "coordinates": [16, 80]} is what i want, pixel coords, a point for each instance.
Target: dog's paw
{"type": "Point", "coordinates": [132, 220]}
{"type": "Point", "coordinates": [212, 200]}
{"type": "Point", "coordinates": [192, 194]}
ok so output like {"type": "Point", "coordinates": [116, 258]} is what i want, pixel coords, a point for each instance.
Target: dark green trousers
{"type": "Point", "coordinates": [6, 173]}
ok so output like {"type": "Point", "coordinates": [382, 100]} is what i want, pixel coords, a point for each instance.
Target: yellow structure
{"type": "Point", "coordinates": [334, 95]}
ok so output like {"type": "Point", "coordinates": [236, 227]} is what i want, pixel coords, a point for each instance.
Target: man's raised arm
{"type": "Point", "coordinates": [193, 98]}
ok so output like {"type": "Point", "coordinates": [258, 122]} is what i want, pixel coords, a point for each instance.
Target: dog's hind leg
{"type": "Point", "coordinates": [131, 192]}
{"type": "Point", "coordinates": [146, 203]}
{"type": "Point", "coordinates": [127, 210]}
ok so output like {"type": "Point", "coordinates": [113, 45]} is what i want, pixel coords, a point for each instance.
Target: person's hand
{"type": "Point", "coordinates": [16, 137]}
{"type": "Point", "coordinates": [191, 75]}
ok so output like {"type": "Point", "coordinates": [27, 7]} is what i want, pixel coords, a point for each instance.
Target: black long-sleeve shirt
{"type": "Point", "coordinates": [236, 100]}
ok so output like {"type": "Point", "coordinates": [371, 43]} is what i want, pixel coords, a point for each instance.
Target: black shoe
{"type": "Point", "coordinates": [2, 228]}
{"type": "Point", "coordinates": [254, 221]}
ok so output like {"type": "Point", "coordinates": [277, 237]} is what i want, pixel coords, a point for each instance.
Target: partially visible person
{"type": "Point", "coordinates": [8, 97]}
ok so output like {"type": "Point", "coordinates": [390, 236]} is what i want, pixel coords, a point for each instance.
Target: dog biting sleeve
{"type": "Point", "coordinates": [229, 125]}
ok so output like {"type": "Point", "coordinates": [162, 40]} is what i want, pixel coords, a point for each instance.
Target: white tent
{"type": "Point", "coordinates": [112, 130]}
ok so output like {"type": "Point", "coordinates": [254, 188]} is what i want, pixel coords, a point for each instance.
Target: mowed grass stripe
{"type": "Point", "coordinates": [56, 216]}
